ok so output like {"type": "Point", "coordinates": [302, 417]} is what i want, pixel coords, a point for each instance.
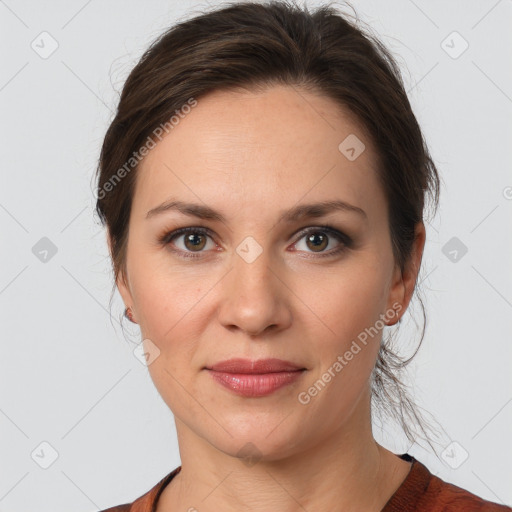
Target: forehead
{"type": "Point", "coordinates": [272, 146]}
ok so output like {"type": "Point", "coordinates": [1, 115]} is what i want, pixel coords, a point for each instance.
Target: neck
{"type": "Point", "coordinates": [347, 470]}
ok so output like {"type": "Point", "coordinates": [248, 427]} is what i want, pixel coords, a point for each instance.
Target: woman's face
{"type": "Point", "coordinates": [254, 281]}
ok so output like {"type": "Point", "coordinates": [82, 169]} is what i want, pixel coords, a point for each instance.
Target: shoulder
{"type": "Point", "coordinates": [422, 491]}
{"type": "Point", "coordinates": [447, 497]}
{"type": "Point", "coordinates": [120, 508]}
{"type": "Point", "coordinates": [148, 500]}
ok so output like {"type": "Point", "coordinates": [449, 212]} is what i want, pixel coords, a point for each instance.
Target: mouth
{"type": "Point", "coordinates": [259, 366]}
{"type": "Point", "coordinates": [255, 378]}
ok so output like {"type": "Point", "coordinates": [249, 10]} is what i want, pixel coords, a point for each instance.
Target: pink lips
{"type": "Point", "coordinates": [255, 378]}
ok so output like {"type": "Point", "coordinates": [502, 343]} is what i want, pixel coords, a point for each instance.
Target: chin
{"type": "Point", "coordinates": [256, 443]}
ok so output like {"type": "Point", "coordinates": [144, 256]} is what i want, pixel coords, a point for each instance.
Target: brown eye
{"type": "Point", "coordinates": [194, 241]}
{"type": "Point", "coordinates": [188, 242]}
{"type": "Point", "coordinates": [317, 241]}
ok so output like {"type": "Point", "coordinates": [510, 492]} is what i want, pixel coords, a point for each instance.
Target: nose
{"type": "Point", "coordinates": [255, 297]}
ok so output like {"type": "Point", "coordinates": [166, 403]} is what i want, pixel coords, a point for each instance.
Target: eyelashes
{"type": "Point", "coordinates": [345, 242]}
{"type": "Point", "coordinates": [167, 238]}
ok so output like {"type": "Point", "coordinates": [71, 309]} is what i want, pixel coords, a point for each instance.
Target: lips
{"type": "Point", "coordinates": [260, 366]}
{"type": "Point", "coordinates": [255, 378]}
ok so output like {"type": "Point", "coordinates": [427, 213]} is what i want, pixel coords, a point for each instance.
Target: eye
{"type": "Point", "coordinates": [194, 240]}
{"type": "Point", "coordinates": [319, 238]}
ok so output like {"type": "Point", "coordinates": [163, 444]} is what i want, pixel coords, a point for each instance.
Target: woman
{"type": "Point", "coordinates": [263, 186]}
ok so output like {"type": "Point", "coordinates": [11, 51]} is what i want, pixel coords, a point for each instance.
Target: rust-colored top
{"type": "Point", "coordinates": [421, 491]}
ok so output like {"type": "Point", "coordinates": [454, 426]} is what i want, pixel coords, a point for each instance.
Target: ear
{"type": "Point", "coordinates": [404, 282]}
{"type": "Point", "coordinates": [122, 282]}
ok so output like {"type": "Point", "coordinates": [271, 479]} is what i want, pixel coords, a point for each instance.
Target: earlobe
{"type": "Point", "coordinates": [122, 285]}
{"type": "Point", "coordinates": [416, 257]}
{"type": "Point", "coordinates": [396, 299]}
{"type": "Point", "coordinates": [124, 291]}
{"type": "Point", "coordinates": [128, 314]}
{"type": "Point", "coordinates": [405, 281]}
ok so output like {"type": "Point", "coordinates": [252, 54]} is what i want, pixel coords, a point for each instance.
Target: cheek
{"type": "Point", "coordinates": [172, 315]}
{"type": "Point", "coordinates": [167, 298]}
{"type": "Point", "coordinates": [346, 302]}
{"type": "Point", "coordinates": [346, 344]}
{"type": "Point", "coordinates": [346, 330]}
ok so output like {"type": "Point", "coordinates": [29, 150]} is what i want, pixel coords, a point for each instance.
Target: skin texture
{"type": "Point", "coordinates": [251, 156]}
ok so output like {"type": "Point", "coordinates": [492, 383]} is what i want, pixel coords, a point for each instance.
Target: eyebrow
{"type": "Point", "coordinates": [303, 211]}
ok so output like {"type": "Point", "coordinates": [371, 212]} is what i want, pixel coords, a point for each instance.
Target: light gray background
{"type": "Point", "coordinates": [69, 378]}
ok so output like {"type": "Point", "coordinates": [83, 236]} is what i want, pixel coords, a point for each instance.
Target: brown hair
{"type": "Point", "coordinates": [248, 45]}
